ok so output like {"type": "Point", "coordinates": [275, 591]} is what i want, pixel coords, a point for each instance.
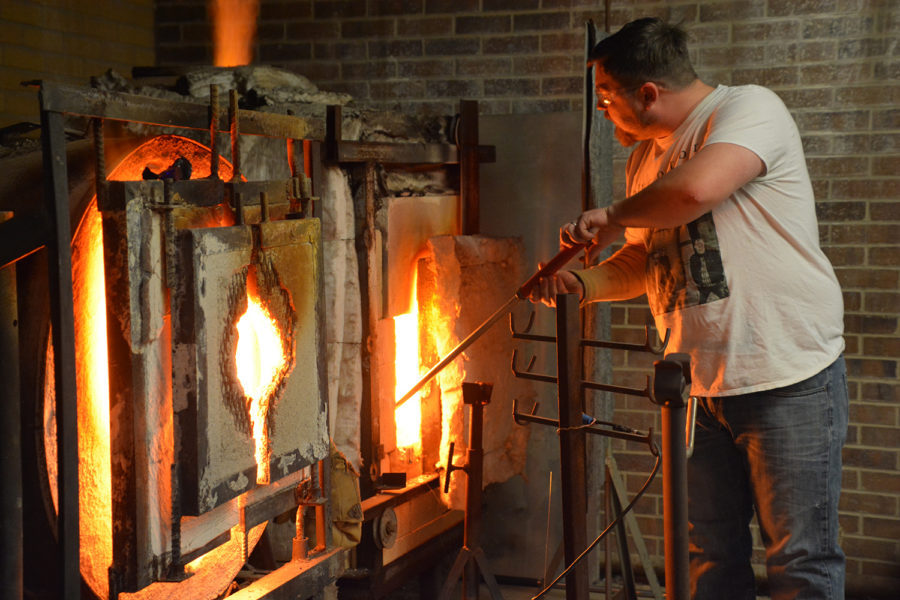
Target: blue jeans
{"type": "Point", "coordinates": [778, 452]}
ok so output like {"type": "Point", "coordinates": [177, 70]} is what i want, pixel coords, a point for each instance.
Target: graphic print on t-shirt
{"type": "Point", "coordinates": [684, 266]}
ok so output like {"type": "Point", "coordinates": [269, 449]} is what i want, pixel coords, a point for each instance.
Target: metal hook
{"type": "Point", "coordinates": [525, 334]}
{"type": "Point", "coordinates": [512, 323]}
{"type": "Point", "coordinates": [527, 374]}
{"type": "Point", "coordinates": [518, 417]}
{"type": "Point", "coordinates": [657, 346]}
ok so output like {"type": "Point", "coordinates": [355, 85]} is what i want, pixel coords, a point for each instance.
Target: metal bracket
{"type": "Point", "coordinates": [654, 346]}
{"type": "Point", "coordinates": [615, 431]}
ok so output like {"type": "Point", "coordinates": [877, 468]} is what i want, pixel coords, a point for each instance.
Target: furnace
{"type": "Point", "coordinates": [234, 340]}
{"type": "Point", "coordinates": [198, 359]}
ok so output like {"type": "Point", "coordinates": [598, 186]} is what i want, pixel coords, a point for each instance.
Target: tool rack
{"type": "Point", "coordinates": [668, 390]}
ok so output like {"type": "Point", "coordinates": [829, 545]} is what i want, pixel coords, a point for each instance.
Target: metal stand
{"type": "Point", "coordinates": [668, 390]}
{"type": "Point", "coordinates": [471, 559]}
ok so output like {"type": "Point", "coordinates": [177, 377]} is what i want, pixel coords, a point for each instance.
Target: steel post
{"type": "Point", "coordinates": [572, 443]}
{"type": "Point", "coordinates": [669, 392]}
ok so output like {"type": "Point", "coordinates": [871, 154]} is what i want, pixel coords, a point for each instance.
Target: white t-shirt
{"type": "Point", "coordinates": [745, 289]}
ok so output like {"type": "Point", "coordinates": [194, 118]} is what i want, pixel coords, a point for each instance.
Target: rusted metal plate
{"type": "Point", "coordinates": [214, 440]}
{"type": "Point", "coordinates": [90, 102]}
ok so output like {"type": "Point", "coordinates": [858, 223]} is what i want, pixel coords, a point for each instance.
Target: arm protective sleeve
{"type": "Point", "coordinates": [620, 277]}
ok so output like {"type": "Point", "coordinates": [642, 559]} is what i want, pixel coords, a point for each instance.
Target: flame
{"type": "Point", "coordinates": [234, 27]}
{"type": "Point", "coordinates": [260, 358]}
{"type": "Point", "coordinates": [92, 368]}
{"type": "Point", "coordinates": [408, 416]}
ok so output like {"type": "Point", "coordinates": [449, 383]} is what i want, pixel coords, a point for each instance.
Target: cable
{"type": "Point", "coordinates": [653, 450]}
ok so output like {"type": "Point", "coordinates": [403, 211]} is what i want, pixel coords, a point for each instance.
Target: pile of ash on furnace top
{"type": "Point", "coordinates": [271, 89]}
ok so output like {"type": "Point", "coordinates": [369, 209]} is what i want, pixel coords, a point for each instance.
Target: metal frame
{"type": "Point", "coordinates": [48, 226]}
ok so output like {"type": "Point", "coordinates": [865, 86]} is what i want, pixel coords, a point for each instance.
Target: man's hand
{"type": "Point", "coordinates": [594, 226]}
{"type": "Point", "coordinates": [563, 282]}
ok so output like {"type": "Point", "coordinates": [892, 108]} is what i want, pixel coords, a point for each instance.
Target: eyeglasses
{"type": "Point", "coordinates": [605, 97]}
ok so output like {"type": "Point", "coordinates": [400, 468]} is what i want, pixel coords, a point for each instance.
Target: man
{"type": "Point", "coordinates": [763, 324]}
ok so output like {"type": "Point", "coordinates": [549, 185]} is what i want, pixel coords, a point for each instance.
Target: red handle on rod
{"type": "Point", "coordinates": [554, 265]}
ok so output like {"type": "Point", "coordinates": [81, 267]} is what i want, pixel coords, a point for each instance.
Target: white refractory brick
{"type": "Point", "coordinates": [467, 279]}
{"type": "Point", "coordinates": [343, 314]}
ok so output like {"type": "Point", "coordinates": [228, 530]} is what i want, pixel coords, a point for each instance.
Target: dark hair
{"type": "Point", "coordinates": [646, 50]}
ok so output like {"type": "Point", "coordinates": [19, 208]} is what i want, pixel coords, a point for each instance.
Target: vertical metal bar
{"type": "Point", "coordinates": [607, 543]}
{"type": "Point", "coordinates": [468, 167]}
{"type": "Point", "coordinates": [169, 233]}
{"type": "Point", "coordinates": [571, 442]}
{"type": "Point", "coordinates": [11, 526]}
{"type": "Point", "coordinates": [99, 162]}
{"type": "Point", "coordinates": [213, 131]}
{"type": "Point", "coordinates": [373, 313]}
{"type": "Point", "coordinates": [312, 166]}
{"type": "Point", "coordinates": [235, 135]}
{"type": "Point", "coordinates": [322, 530]}
{"type": "Point", "coordinates": [675, 503]}
{"type": "Point", "coordinates": [62, 315]}
{"type": "Point", "coordinates": [333, 119]}
{"type": "Point", "coordinates": [176, 569]}
{"type": "Point", "coordinates": [475, 396]}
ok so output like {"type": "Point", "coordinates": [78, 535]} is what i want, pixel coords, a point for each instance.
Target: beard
{"type": "Point", "coordinates": [625, 138]}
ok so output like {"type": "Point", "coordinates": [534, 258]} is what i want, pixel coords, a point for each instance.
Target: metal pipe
{"type": "Point", "coordinates": [669, 392]}
{"type": "Point", "coordinates": [11, 525]}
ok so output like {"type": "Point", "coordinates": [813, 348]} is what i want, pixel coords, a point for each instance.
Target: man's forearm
{"type": "Point", "coordinates": [620, 277]}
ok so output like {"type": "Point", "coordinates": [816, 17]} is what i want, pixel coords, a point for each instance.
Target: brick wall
{"type": "Point", "coordinates": [836, 64]}
{"type": "Point", "coordinates": [68, 41]}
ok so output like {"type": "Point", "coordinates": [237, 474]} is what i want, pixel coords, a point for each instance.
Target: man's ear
{"type": "Point", "coordinates": [648, 94]}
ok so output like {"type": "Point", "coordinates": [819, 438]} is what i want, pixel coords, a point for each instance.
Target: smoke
{"type": "Point", "coordinates": [234, 28]}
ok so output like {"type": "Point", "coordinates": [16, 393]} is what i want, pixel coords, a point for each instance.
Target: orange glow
{"type": "Point", "coordinates": [92, 381]}
{"type": "Point", "coordinates": [92, 361]}
{"type": "Point", "coordinates": [234, 27]}
{"type": "Point", "coordinates": [260, 359]}
{"type": "Point", "coordinates": [408, 416]}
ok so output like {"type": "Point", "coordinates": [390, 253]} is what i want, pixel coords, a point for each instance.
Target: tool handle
{"type": "Point", "coordinates": [555, 263]}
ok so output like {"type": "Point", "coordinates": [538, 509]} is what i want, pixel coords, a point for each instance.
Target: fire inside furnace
{"type": "Point", "coordinates": [92, 373]}
{"type": "Point", "coordinates": [408, 416]}
{"type": "Point", "coordinates": [260, 360]}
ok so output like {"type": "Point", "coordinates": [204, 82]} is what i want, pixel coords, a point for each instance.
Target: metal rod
{"type": "Point", "coordinates": [621, 435]}
{"type": "Point", "coordinates": [555, 263]}
{"type": "Point", "coordinates": [471, 560]}
{"type": "Point", "coordinates": [617, 389]}
{"type": "Point", "coordinates": [500, 312]}
{"type": "Point", "coordinates": [62, 313]}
